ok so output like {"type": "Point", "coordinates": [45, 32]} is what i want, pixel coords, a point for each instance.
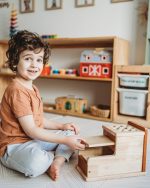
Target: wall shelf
{"type": "Point", "coordinates": [62, 77]}
{"type": "Point", "coordinates": [120, 48]}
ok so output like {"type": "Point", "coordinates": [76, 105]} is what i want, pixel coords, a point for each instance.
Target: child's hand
{"type": "Point", "coordinates": [75, 142]}
{"type": "Point", "coordinates": [70, 126]}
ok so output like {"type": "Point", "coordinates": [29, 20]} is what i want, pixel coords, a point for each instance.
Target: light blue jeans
{"type": "Point", "coordinates": [33, 158]}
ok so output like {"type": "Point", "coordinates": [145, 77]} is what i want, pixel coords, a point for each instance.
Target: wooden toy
{"type": "Point", "coordinates": [65, 72]}
{"type": "Point", "coordinates": [46, 70]}
{"type": "Point", "coordinates": [71, 104]}
{"type": "Point", "coordinates": [13, 22]}
{"type": "Point", "coordinates": [52, 36]}
{"type": "Point", "coordinates": [119, 152]}
{"type": "Point", "coordinates": [96, 63]}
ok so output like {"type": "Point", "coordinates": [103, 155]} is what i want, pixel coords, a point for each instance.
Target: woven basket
{"type": "Point", "coordinates": [97, 111]}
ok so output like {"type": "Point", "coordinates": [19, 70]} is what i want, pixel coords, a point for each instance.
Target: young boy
{"type": "Point", "coordinates": [26, 144]}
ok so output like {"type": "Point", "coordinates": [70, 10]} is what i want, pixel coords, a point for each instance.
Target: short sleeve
{"type": "Point", "coordinates": [20, 103]}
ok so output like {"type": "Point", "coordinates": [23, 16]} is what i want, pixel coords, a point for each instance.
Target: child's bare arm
{"type": "Point", "coordinates": [34, 132]}
{"type": "Point", "coordinates": [48, 124]}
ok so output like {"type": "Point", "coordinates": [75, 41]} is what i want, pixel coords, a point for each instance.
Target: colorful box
{"type": "Point", "coordinates": [96, 63]}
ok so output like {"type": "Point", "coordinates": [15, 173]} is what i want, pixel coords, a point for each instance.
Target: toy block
{"type": "Point", "coordinates": [119, 152]}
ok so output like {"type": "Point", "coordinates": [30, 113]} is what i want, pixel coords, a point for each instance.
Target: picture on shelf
{"type": "Point", "coordinates": [53, 4]}
{"type": "Point", "coordinates": [26, 6]}
{"type": "Point", "coordinates": [84, 3]}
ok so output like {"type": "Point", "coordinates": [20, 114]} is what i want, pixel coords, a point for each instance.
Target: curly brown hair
{"type": "Point", "coordinates": [25, 40]}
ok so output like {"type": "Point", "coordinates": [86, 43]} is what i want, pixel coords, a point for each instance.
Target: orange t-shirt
{"type": "Point", "coordinates": [18, 101]}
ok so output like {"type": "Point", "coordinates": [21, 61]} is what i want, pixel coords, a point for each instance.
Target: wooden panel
{"type": "Point", "coordinates": [112, 167]}
{"type": "Point", "coordinates": [96, 141]}
{"type": "Point", "coordinates": [144, 143]}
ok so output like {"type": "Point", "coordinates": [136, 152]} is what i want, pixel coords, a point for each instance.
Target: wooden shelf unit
{"type": "Point", "coordinates": [125, 118]}
{"type": "Point", "coordinates": [120, 57]}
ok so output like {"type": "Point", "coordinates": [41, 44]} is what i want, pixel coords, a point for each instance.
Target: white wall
{"type": "Point", "coordinates": [103, 19]}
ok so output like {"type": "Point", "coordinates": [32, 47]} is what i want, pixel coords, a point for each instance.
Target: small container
{"type": "Point", "coordinates": [134, 81]}
{"type": "Point", "coordinates": [100, 111]}
{"type": "Point", "coordinates": [132, 102]}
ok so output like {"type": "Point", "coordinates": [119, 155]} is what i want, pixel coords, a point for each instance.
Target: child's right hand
{"type": "Point", "coordinates": [74, 142]}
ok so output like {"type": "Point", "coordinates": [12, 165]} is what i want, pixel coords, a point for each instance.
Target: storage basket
{"type": "Point", "coordinates": [133, 80]}
{"type": "Point", "coordinates": [100, 111]}
{"type": "Point", "coordinates": [132, 102]}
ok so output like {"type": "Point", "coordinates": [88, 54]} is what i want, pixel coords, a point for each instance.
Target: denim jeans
{"type": "Point", "coordinates": [34, 157]}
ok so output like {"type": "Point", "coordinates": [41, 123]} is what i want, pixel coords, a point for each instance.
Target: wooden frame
{"type": "Point", "coordinates": [53, 4]}
{"type": "Point", "coordinates": [119, 1]}
{"type": "Point", "coordinates": [26, 6]}
{"type": "Point", "coordinates": [84, 3]}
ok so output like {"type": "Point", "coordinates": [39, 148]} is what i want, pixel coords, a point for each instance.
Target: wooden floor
{"type": "Point", "coordinates": [70, 178]}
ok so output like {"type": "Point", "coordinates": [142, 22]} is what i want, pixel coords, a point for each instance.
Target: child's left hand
{"type": "Point", "coordinates": [70, 126]}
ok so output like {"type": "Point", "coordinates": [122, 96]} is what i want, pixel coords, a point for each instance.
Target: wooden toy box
{"type": "Point", "coordinates": [71, 104]}
{"type": "Point", "coordinates": [119, 152]}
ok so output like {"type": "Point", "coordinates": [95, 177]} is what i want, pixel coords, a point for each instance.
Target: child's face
{"type": "Point", "coordinates": [30, 64]}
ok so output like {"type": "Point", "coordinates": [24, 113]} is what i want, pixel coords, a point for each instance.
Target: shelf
{"type": "Point", "coordinates": [4, 42]}
{"type": "Point", "coordinates": [98, 141]}
{"type": "Point", "coordinates": [84, 115]}
{"type": "Point", "coordinates": [75, 78]}
{"type": "Point", "coordinates": [7, 74]}
{"type": "Point", "coordinates": [63, 77]}
{"type": "Point", "coordinates": [105, 41]}
{"type": "Point", "coordinates": [121, 118]}
{"type": "Point", "coordinates": [120, 48]}
{"type": "Point", "coordinates": [81, 42]}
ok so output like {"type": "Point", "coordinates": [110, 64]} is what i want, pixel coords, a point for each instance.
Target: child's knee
{"type": "Point", "coordinates": [39, 163]}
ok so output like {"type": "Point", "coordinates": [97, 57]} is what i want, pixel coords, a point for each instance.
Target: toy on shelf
{"type": "Point", "coordinates": [96, 63]}
{"type": "Point", "coordinates": [52, 36]}
{"type": "Point", "coordinates": [71, 104]}
{"type": "Point", "coordinates": [119, 152]}
{"type": "Point", "coordinates": [46, 70]}
{"type": "Point", "coordinates": [13, 22]}
{"type": "Point", "coordinates": [64, 72]}
{"type": "Point", "coordinates": [100, 111]}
